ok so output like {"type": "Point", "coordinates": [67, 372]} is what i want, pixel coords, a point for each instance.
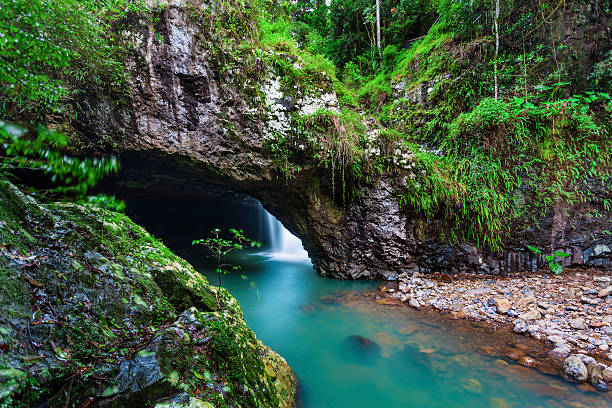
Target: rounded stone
{"type": "Point", "coordinates": [574, 369]}
{"type": "Point", "coordinates": [607, 375]}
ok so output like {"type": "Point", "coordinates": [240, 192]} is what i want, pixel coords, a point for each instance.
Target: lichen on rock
{"type": "Point", "coordinates": [96, 309]}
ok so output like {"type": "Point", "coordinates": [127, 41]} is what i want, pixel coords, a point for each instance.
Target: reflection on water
{"type": "Point", "coordinates": [349, 351]}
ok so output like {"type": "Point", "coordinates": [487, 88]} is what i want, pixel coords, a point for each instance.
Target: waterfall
{"type": "Point", "coordinates": [279, 242]}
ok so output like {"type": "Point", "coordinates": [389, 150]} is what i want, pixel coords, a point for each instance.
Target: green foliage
{"type": "Point", "coordinates": [375, 93]}
{"type": "Point", "coordinates": [352, 28]}
{"type": "Point", "coordinates": [220, 248]}
{"type": "Point", "coordinates": [473, 194]}
{"type": "Point", "coordinates": [48, 46]}
{"type": "Point", "coordinates": [335, 140]}
{"type": "Point", "coordinates": [42, 149]}
{"type": "Point", "coordinates": [107, 202]}
{"type": "Point", "coordinates": [550, 259]}
{"type": "Point", "coordinates": [601, 77]}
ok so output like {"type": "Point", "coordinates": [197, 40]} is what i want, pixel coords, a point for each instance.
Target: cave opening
{"type": "Point", "coordinates": [179, 213]}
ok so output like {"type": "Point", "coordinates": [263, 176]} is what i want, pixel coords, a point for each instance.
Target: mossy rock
{"type": "Point", "coordinates": [94, 308]}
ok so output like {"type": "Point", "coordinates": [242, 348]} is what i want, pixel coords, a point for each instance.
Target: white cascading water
{"type": "Point", "coordinates": [282, 244]}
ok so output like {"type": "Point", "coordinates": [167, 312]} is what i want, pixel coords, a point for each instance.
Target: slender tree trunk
{"type": "Point", "coordinates": [378, 30]}
{"type": "Point", "coordinates": [496, 28]}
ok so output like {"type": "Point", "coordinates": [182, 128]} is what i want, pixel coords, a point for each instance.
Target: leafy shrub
{"type": "Point", "coordinates": [389, 57]}
{"type": "Point", "coordinates": [43, 149]}
{"type": "Point", "coordinates": [47, 46]}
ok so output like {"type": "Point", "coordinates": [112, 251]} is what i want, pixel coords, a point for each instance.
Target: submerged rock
{"type": "Point", "coordinates": [87, 288]}
{"type": "Point", "coordinates": [361, 350]}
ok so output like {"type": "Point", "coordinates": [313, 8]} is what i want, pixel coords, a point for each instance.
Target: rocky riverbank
{"type": "Point", "coordinates": [571, 312]}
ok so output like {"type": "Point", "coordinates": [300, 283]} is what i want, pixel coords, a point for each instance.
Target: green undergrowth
{"type": "Point", "coordinates": [482, 163]}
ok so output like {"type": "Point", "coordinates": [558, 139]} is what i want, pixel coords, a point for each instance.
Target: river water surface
{"type": "Point", "coordinates": [348, 351]}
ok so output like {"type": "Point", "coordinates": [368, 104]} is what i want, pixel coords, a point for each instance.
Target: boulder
{"type": "Point", "coordinates": [574, 369]}
{"type": "Point", "coordinates": [129, 329]}
{"type": "Point", "coordinates": [607, 374]}
{"type": "Point", "coordinates": [502, 305]}
{"type": "Point", "coordinates": [532, 314]}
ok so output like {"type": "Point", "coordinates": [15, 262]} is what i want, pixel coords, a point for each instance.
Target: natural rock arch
{"type": "Point", "coordinates": [190, 119]}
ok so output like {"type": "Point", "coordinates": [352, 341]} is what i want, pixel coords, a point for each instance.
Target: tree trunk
{"type": "Point", "coordinates": [496, 28]}
{"type": "Point", "coordinates": [378, 30]}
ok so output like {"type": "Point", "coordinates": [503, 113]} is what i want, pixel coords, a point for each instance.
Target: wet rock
{"type": "Point", "coordinates": [595, 373]}
{"type": "Point", "coordinates": [413, 302]}
{"type": "Point", "coordinates": [520, 326]}
{"type": "Point", "coordinates": [607, 375]}
{"type": "Point", "coordinates": [532, 314]}
{"type": "Point", "coordinates": [183, 400]}
{"type": "Point", "coordinates": [126, 294]}
{"type": "Point", "coordinates": [574, 369]}
{"type": "Point", "coordinates": [137, 374]}
{"type": "Point", "coordinates": [527, 361]}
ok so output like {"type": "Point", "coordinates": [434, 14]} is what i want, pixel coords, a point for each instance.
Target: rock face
{"type": "Point", "coordinates": [89, 318]}
{"type": "Point", "coordinates": [189, 120]}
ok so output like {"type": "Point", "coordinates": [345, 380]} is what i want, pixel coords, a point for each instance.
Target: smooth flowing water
{"type": "Point", "coordinates": [347, 350]}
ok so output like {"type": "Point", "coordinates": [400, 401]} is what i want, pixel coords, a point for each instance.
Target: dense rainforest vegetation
{"type": "Point", "coordinates": [470, 100]}
{"type": "Point", "coordinates": [477, 119]}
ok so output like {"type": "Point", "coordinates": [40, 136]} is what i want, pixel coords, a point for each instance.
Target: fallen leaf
{"type": "Point", "coordinates": [33, 282]}
{"type": "Point", "coordinates": [5, 347]}
{"type": "Point", "coordinates": [61, 354]}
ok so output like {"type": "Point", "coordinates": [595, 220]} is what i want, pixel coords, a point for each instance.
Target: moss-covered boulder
{"type": "Point", "coordinates": [94, 311]}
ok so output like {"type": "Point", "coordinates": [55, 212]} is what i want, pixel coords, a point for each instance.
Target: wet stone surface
{"type": "Point", "coordinates": [568, 313]}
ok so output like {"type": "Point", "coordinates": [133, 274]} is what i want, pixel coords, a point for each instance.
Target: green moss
{"type": "Point", "coordinates": [104, 305]}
